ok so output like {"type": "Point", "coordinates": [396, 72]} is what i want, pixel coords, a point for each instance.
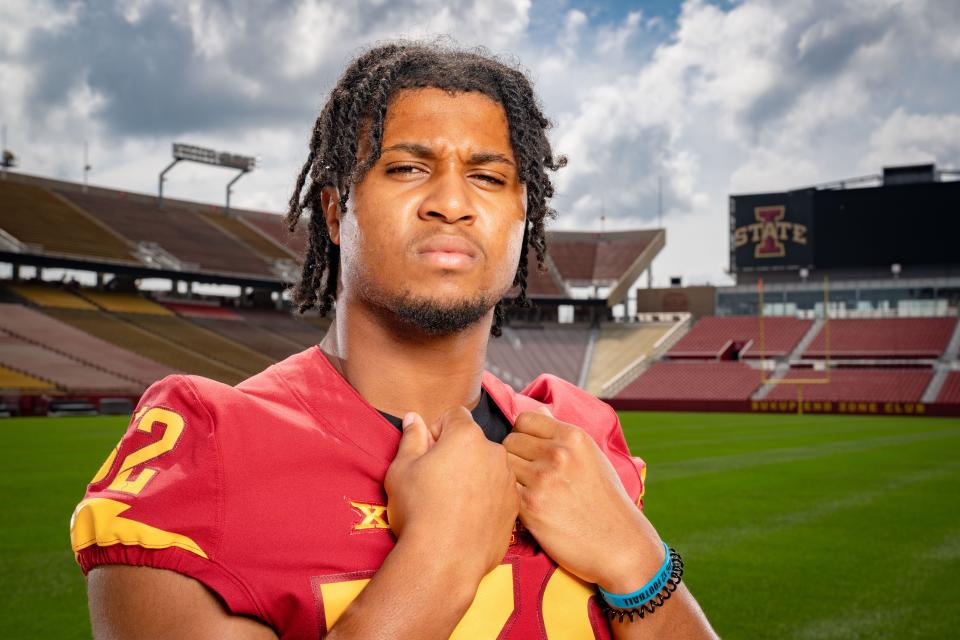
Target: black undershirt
{"type": "Point", "coordinates": [486, 414]}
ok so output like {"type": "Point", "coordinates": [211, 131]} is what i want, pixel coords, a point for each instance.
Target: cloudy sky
{"type": "Point", "coordinates": [703, 98]}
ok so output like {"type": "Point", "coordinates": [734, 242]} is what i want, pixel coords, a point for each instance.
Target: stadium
{"type": "Point", "coordinates": [832, 357]}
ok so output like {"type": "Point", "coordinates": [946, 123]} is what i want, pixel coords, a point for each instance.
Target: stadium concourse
{"type": "Point", "coordinates": [72, 347]}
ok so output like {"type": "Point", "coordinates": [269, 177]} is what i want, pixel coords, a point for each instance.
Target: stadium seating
{"type": "Point", "coordinates": [710, 337]}
{"type": "Point", "coordinates": [521, 354]}
{"type": "Point", "coordinates": [540, 283]}
{"type": "Point", "coordinates": [302, 331]}
{"type": "Point", "coordinates": [593, 260]}
{"type": "Point", "coordinates": [883, 338]}
{"type": "Point", "coordinates": [201, 341]}
{"type": "Point", "coordinates": [183, 233]}
{"type": "Point", "coordinates": [270, 344]}
{"type": "Point", "coordinates": [44, 295]}
{"type": "Point", "coordinates": [275, 227]}
{"type": "Point", "coordinates": [667, 380]}
{"type": "Point", "coordinates": [230, 324]}
{"type": "Point", "coordinates": [59, 369]}
{"type": "Point", "coordinates": [250, 236]}
{"type": "Point", "coordinates": [618, 346]}
{"type": "Point", "coordinates": [859, 385]}
{"type": "Point", "coordinates": [950, 393]}
{"type": "Point", "coordinates": [33, 215]}
{"type": "Point", "coordinates": [37, 328]}
{"type": "Point", "coordinates": [124, 303]}
{"type": "Point", "coordinates": [16, 381]}
{"type": "Point", "coordinates": [133, 338]}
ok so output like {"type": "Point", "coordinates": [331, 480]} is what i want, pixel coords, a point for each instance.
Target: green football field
{"type": "Point", "coordinates": [790, 526]}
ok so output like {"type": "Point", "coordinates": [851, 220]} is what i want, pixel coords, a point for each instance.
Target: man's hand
{"type": "Point", "coordinates": [575, 506]}
{"type": "Point", "coordinates": [456, 490]}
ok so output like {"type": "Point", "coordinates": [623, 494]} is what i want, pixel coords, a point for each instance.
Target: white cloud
{"type": "Point", "coordinates": [915, 138]}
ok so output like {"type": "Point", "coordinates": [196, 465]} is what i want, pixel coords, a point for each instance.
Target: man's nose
{"type": "Point", "coordinates": [448, 199]}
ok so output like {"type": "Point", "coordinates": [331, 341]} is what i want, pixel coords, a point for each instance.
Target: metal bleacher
{"type": "Point", "coordinates": [183, 233]}
{"type": "Point", "coordinates": [35, 327]}
{"type": "Point", "coordinates": [523, 353]}
{"type": "Point", "coordinates": [32, 215]}
{"type": "Point", "coordinates": [688, 380]}
{"type": "Point", "coordinates": [857, 385]}
{"type": "Point", "coordinates": [950, 392]}
{"type": "Point", "coordinates": [710, 337]}
{"type": "Point", "coordinates": [884, 338]}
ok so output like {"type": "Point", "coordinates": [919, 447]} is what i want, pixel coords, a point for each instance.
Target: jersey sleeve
{"type": "Point", "coordinates": [572, 404]}
{"type": "Point", "coordinates": [157, 500]}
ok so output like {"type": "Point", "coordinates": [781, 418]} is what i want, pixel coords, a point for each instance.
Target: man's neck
{"type": "Point", "coordinates": [398, 371]}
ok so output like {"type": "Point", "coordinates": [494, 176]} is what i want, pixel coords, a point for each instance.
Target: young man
{"type": "Point", "coordinates": [382, 485]}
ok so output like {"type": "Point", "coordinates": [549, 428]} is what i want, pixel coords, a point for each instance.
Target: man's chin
{"type": "Point", "coordinates": [441, 317]}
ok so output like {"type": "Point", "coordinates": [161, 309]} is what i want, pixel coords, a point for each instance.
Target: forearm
{"type": "Point", "coordinates": [680, 617]}
{"type": "Point", "coordinates": [417, 593]}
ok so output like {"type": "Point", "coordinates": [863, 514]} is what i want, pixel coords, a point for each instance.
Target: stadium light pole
{"type": "Point", "coordinates": [203, 155]}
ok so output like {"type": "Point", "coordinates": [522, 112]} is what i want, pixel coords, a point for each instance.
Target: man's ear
{"type": "Point", "coordinates": [330, 201]}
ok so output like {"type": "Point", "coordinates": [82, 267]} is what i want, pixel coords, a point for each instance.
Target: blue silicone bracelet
{"type": "Point", "coordinates": [645, 593]}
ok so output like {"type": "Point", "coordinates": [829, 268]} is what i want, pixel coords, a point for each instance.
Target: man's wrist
{"type": "Point", "coordinates": [459, 574]}
{"type": "Point", "coordinates": [635, 567]}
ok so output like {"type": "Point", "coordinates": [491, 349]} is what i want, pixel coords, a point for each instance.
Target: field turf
{"type": "Point", "coordinates": [791, 526]}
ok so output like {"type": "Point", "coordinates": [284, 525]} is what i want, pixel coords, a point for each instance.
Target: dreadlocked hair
{"type": "Point", "coordinates": [358, 106]}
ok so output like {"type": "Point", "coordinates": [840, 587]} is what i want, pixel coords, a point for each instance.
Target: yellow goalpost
{"type": "Point", "coordinates": [799, 382]}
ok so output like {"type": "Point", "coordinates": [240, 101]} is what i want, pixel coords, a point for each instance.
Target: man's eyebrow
{"type": "Point", "coordinates": [423, 151]}
{"type": "Point", "coordinates": [419, 150]}
{"type": "Point", "coordinates": [487, 157]}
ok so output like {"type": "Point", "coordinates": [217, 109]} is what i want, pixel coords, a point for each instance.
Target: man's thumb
{"type": "Point", "coordinates": [416, 439]}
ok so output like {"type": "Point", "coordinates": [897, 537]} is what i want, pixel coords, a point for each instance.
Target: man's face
{"type": "Point", "coordinates": [434, 230]}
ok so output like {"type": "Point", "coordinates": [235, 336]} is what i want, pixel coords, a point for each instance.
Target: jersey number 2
{"type": "Point", "coordinates": [145, 419]}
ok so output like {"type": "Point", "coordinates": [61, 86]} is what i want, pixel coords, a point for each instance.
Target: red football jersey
{"type": "Point", "coordinates": [271, 494]}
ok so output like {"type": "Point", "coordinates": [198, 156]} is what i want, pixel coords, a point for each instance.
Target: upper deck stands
{"type": "Point", "coordinates": [250, 235]}
{"type": "Point", "coordinates": [883, 338]}
{"type": "Point", "coordinates": [275, 227]}
{"type": "Point", "coordinates": [183, 233]}
{"type": "Point", "coordinates": [34, 215]}
{"type": "Point", "coordinates": [857, 385]}
{"type": "Point", "coordinates": [694, 381]}
{"type": "Point", "coordinates": [541, 283]}
{"type": "Point", "coordinates": [713, 335]}
{"type": "Point", "coordinates": [603, 258]}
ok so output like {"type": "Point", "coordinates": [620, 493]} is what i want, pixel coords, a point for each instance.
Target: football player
{"type": "Point", "coordinates": [382, 484]}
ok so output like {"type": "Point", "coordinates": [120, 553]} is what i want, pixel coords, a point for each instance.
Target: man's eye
{"type": "Point", "coordinates": [488, 178]}
{"type": "Point", "coordinates": [403, 169]}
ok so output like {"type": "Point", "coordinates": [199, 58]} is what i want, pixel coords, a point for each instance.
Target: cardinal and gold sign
{"type": "Point", "coordinates": [771, 231]}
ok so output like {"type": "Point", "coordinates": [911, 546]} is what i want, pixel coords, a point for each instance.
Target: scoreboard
{"type": "Point", "coordinates": [909, 224]}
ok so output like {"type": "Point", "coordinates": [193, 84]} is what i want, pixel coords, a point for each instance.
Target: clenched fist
{"type": "Point", "coordinates": [574, 504]}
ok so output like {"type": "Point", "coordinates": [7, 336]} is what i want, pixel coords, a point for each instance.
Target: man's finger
{"type": "Point", "coordinates": [522, 469]}
{"type": "Point", "coordinates": [524, 445]}
{"type": "Point", "coordinates": [454, 419]}
{"type": "Point", "coordinates": [536, 423]}
{"type": "Point", "coordinates": [416, 438]}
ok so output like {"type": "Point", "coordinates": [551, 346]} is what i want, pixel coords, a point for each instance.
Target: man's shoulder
{"type": "Point", "coordinates": [566, 401]}
{"type": "Point", "coordinates": [272, 389]}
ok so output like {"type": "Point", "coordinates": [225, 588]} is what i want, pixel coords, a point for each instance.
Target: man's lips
{"type": "Point", "coordinates": [448, 251]}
